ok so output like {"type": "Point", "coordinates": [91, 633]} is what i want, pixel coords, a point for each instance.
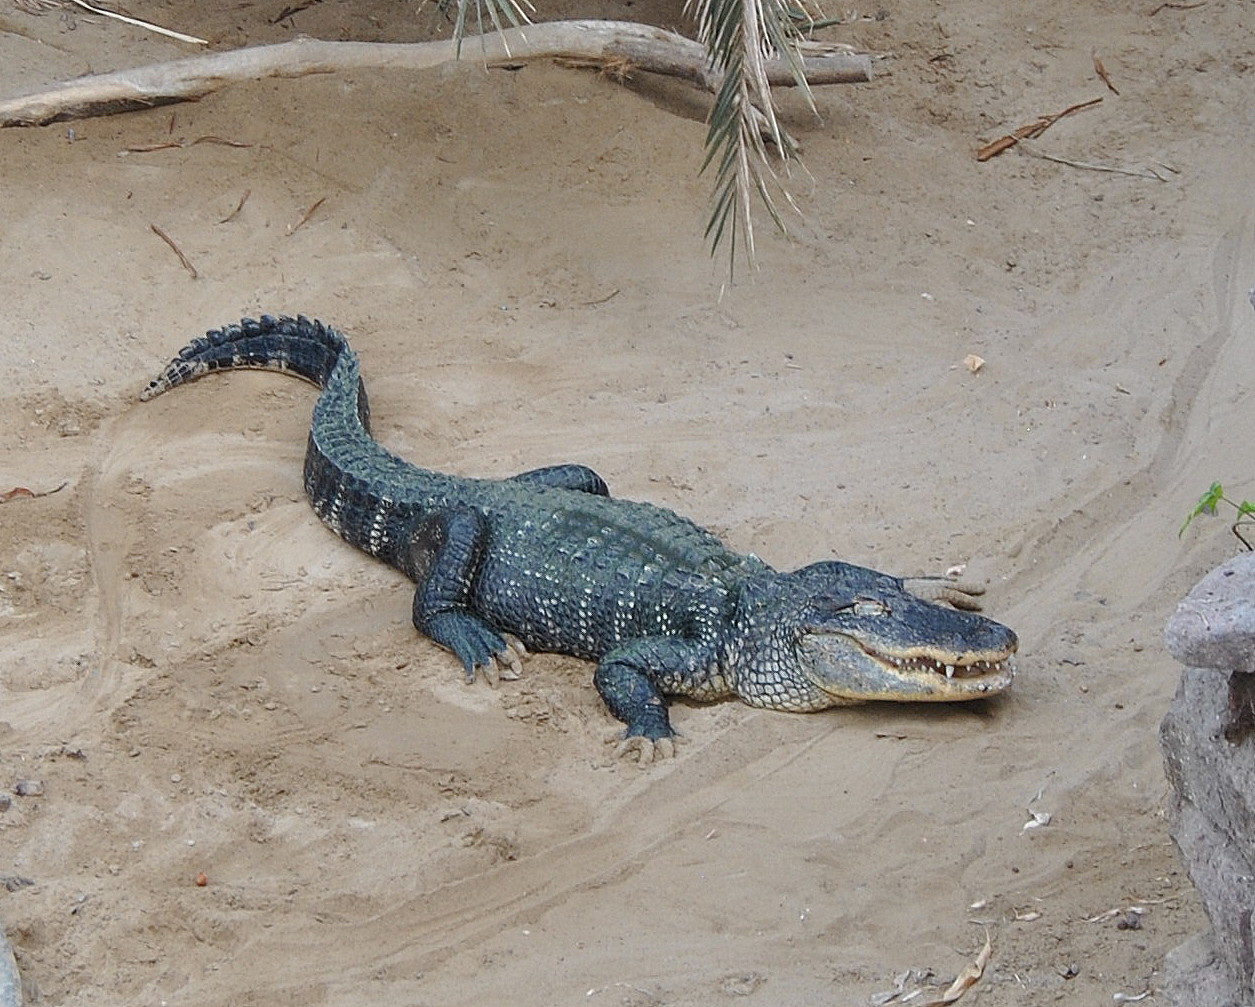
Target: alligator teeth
{"type": "Point", "coordinates": [977, 669]}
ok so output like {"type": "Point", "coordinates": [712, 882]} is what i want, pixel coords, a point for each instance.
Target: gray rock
{"type": "Point", "coordinates": [1193, 976]}
{"type": "Point", "coordinates": [10, 981]}
{"type": "Point", "coordinates": [1214, 626]}
{"type": "Point", "coordinates": [1208, 739]}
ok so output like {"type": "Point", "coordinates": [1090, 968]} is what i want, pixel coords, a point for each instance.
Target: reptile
{"type": "Point", "coordinates": [548, 561]}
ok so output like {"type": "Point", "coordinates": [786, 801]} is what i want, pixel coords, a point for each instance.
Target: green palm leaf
{"type": "Point", "coordinates": [740, 36]}
{"type": "Point", "coordinates": [498, 11]}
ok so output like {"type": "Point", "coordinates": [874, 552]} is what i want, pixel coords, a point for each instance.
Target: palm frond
{"type": "Point", "coordinates": [740, 36]}
{"type": "Point", "coordinates": [498, 11]}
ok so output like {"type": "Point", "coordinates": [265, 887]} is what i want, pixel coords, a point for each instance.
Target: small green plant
{"type": "Point", "coordinates": [1208, 503]}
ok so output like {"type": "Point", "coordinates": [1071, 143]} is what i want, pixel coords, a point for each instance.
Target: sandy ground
{"type": "Point", "coordinates": [205, 680]}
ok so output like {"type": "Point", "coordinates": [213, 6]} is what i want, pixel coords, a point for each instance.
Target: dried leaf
{"type": "Point", "coordinates": [1039, 819]}
{"type": "Point", "coordinates": [966, 979]}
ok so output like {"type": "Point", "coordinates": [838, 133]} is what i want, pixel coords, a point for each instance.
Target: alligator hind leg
{"type": "Point", "coordinates": [444, 553]}
{"type": "Point", "coordinates": [578, 478]}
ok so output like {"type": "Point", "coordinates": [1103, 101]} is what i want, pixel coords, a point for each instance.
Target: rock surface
{"type": "Point", "coordinates": [1214, 626]}
{"type": "Point", "coordinates": [1209, 756]}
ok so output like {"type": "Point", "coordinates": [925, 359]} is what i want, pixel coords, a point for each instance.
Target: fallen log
{"type": "Point", "coordinates": [615, 42]}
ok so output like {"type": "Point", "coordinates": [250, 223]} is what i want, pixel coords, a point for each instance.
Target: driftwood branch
{"type": "Point", "coordinates": [640, 46]}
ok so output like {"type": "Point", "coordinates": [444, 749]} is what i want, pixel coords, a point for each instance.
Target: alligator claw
{"type": "Point", "coordinates": [646, 750]}
{"type": "Point", "coordinates": [960, 594]}
{"type": "Point", "coordinates": [512, 658]}
{"type": "Point", "coordinates": [504, 665]}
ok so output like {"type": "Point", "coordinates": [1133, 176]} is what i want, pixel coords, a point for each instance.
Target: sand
{"type": "Point", "coordinates": [205, 681]}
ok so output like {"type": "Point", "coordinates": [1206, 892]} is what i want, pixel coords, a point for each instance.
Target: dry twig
{"type": "Point", "coordinates": [1085, 165]}
{"type": "Point", "coordinates": [1177, 6]}
{"type": "Point", "coordinates": [177, 251]}
{"type": "Point", "coordinates": [146, 148]}
{"type": "Point", "coordinates": [600, 300]}
{"type": "Point", "coordinates": [1103, 75]}
{"type": "Point", "coordinates": [295, 8]}
{"type": "Point", "coordinates": [22, 491]}
{"type": "Point", "coordinates": [141, 24]}
{"type": "Point", "coordinates": [1029, 131]}
{"type": "Point", "coordinates": [306, 215]}
{"type": "Point", "coordinates": [238, 207]}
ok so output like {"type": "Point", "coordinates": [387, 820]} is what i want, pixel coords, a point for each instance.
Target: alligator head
{"type": "Point", "coordinates": [843, 634]}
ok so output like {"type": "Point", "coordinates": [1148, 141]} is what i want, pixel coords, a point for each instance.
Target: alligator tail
{"type": "Point", "coordinates": [339, 441]}
{"type": "Point", "coordinates": [299, 346]}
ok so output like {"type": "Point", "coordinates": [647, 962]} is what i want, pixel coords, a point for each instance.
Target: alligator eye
{"type": "Point", "coordinates": [869, 606]}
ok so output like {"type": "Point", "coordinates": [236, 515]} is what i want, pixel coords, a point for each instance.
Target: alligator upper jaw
{"type": "Point", "coordinates": [966, 666]}
{"type": "Point", "coordinates": [922, 675]}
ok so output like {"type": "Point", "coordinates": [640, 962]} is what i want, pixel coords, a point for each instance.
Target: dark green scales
{"type": "Point", "coordinates": [548, 561]}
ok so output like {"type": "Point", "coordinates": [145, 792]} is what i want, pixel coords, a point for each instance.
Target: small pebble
{"type": "Point", "coordinates": [29, 788]}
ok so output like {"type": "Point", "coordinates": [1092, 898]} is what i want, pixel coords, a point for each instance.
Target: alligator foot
{"type": "Point", "coordinates": [646, 751]}
{"type": "Point", "coordinates": [960, 594]}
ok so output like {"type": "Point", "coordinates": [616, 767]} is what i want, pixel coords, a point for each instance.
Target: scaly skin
{"type": "Point", "coordinates": [548, 561]}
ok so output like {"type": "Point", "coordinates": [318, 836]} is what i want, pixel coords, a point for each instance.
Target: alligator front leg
{"type": "Point", "coordinates": [445, 550]}
{"type": "Point", "coordinates": [630, 680]}
{"type": "Point", "coordinates": [960, 594]}
{"type": "Point", "coordinates": [570, 476]}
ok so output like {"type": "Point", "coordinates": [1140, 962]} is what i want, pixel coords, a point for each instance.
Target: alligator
{"type": "Point", "coordinates": [548, 561]}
